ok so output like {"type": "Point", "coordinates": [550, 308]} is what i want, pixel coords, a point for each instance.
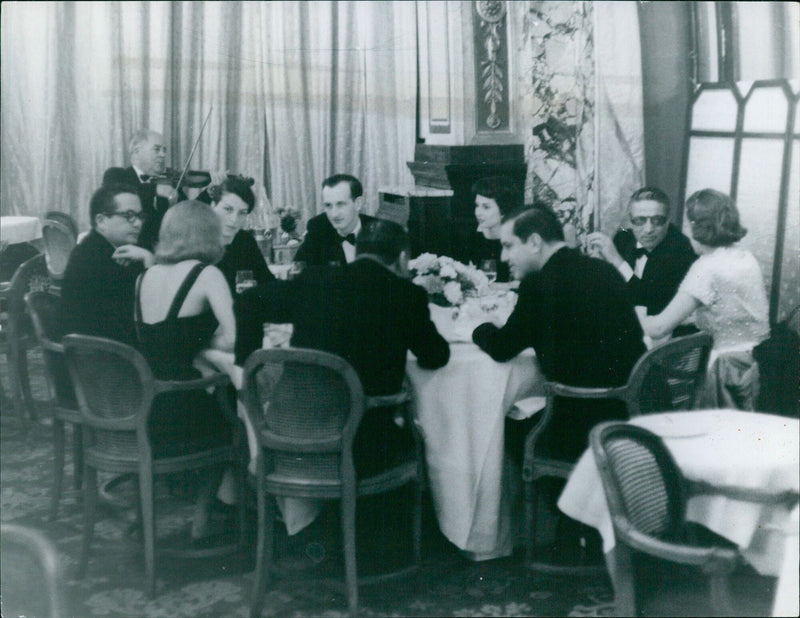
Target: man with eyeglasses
{"type": "Point", "coordinates": [653, 256]}
{"type": "Point", "coordinates": [97, 292]}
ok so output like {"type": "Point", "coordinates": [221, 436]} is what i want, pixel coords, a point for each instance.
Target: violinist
{"type": "Point", "coordinates": [147, 154]}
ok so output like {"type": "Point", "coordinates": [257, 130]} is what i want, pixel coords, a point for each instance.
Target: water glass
{"type": "Point", "coordinates": [244, 280]}
{"type": "Point", "coordinates": [489, 268]}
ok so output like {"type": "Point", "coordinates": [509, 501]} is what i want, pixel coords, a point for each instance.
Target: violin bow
{"type": "Point", "coordinates": [191, 154]}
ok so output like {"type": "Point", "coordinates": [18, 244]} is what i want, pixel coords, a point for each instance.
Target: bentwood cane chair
{"type": "Point", "coordinates": [45, 312]}
{"type": "Point", "coordinates": [306, 406]}
{"type": "Point", "coordinates": [666, 378]}
{"type": "Point", "coordinates": [59, 241]}
{"type": "Point", "coordinates": [116, 391]}
{"type": "Point", "coordinates": [32, 576]}
{"type": "Point", "coordinates": [647, 496]}
{"type": "Point", "coordinates": [16, 332]}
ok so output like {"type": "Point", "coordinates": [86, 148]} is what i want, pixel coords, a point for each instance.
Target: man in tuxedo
{"type": "Point", "coordinates": [575, 312]}
{"type": "Point", "coordinates": [367, 312]}
{"type": "Point", "coordinates": [148, 161]}
{"type": "Point", "coordinates": [653, 256]}
{"type": "Point", "coordinates": [97, 292]}
{"type": "Point", "coordinates": [330, 236]}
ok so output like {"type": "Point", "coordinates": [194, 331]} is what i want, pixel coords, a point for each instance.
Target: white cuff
{"type": "Point", "coordinates": [625, 270]}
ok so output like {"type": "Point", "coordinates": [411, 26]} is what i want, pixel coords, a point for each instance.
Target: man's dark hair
{"type": "Point", "coordinates": [502, 189]}
{"type": "Point", "coordinates": [539, 219]}
{"type": "Point", "coordinates": [653, 194]}
{"type": "Point", "coordinates": [356, 190]}
{"type": "Point", "coordinates": [382, 238]}
{"type": "Point", "coordinates": [102, 202]}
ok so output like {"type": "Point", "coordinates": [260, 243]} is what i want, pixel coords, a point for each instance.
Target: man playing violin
{"type": "Point", "coordinates": [148, 154]}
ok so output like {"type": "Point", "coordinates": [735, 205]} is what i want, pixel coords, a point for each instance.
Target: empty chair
{"type": "Point", "coordinates": [306, 406]}
{"type": "Point", "coordinates": [667, 377]}
{"type": "Point", "coordinates": [16, 331]}
{"type": "Point", "coordinates": [59, 241]}
{"type": "Point", "coordinates": [31, 571]}
{"type": "Point", "coordinates": [44, 310]}
{"type": "Point", "coordinates": [65, 219]}
{"type": "Point", "coordinates": [116, 392]}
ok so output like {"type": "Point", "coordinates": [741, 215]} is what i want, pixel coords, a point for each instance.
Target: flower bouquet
{"type": "Point", "coordinates": [448, 282]}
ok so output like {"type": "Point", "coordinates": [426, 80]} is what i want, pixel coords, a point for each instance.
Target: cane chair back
{"type": "Point", "coordinates": [306, 406]}
{"type": "Point", "coordinates": [59, 241]}
{"type": "Point", "coordinates": [44, 308]}
{"type": "Point", "coordinates": [115, 388]}
{"type": "Point", "coordinates": [647, 494]}
{"type": "Point", "coordinates": [64, 219]}
{"type": "Point", "coordinates": [16, 331]}
{"type": "Point", "coordinates": [32, 573]}
{"type": "Point", "coordinates": [666, 378]}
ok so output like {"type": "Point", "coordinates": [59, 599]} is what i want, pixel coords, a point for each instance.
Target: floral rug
{"type": "Point", "coordinates": [445, 585]}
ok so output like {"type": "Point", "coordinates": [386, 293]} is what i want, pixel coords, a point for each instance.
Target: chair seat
{"type": "Point", "coordinates": [285, 485]}
{"type": "Point", "coordinates": [124, 461]}
{"type": "Point", "coordinates": [67, 415]}
{"type": "Point", "coordinates": [546, 466]}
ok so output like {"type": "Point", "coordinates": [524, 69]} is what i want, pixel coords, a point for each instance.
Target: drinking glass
{"type": "Point", "coordinates": [244, 280]}
{"type": "Point", "coordinates": [295, 269]}
{"type": "Point", "coordinates": [489, 268]}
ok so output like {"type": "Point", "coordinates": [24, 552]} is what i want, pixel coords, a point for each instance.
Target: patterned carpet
{"type": "Point", "coordinates": [445, 585]}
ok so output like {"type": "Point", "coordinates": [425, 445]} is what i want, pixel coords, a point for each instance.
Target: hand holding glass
{"type": "Point", "coordinates": [296, 269]}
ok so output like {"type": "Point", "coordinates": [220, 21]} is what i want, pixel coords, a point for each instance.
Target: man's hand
{"type": "Point", "coordinates": [167, 191]}
{"type": "Point", "coordinates": [602, 246]}
{"type": "Point", "coordinates": [126, 254]}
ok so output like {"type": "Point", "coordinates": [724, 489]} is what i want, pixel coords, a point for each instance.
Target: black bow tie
{"type": "Point", "coordinates": [639, 252]}
{"type": "Point", "coordinates": [351, 238]}
{"type": "Point", "coordinates": [145, 177]}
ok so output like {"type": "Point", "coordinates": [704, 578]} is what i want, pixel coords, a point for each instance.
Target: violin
{"type": "Point", "coordinates": [192, 179]}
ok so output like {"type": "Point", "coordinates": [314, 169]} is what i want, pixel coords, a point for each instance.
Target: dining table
{"type": "Point", "coordinates": [16, 229]}
{"type": "Point", "coordinates": [721, 448]}
{"type": "Point", "coordinates": [460, 410]}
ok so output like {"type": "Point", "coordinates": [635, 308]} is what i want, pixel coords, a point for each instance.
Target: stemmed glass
{"type": "Point", "coordinates": [489, 268]}
{"type": "Point", "coordinates": [295, 269]}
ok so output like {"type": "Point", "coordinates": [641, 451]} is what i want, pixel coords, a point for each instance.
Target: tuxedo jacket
{"type": "Point", "coordinates": [360, 311]}
{"type": "Point", "coordinates": [577, 315]}
{"type": "Point", "coordinates": [322, 243]}
{"type": "Point", "coordinates": [153, 206]}
{"type": "Point", "coordinates": [97, 293]}
{"type": "Point", "coordinates": [664, 270]}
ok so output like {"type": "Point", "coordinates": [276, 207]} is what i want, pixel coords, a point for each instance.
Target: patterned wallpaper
{"type": "Point", "coordinates": [555, 51]}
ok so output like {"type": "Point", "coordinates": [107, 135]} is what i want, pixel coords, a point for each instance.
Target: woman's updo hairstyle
{"type": "Point", "coordinates": [714, 218]}
{"type": "Point", "coordinates": [238, 185]}
{"type": "Point", "coordinates": [190, 230]}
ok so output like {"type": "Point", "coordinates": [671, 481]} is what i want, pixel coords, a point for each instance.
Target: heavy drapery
{"type": "Point", "coordinates": [297, 91]}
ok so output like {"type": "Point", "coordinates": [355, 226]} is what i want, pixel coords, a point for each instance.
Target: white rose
{"type": "Point", "coordinates": [447, 271]}
{"type": "Point", "coordinates": [452, 292]}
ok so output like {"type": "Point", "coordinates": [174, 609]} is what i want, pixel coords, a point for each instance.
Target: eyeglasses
{"type": "Point", "coordinates": [130, 216]}
{"type": "Point", "coordinates": [656, 220]}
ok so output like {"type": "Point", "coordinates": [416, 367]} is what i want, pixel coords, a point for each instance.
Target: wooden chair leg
{"type": "Point", "coordinates": [25, 384]}
{"type": "Point", "coordinates": [266, 529]}
{"type": "Point", "coordinates": [530, 521]}
{"type": "Point", "coordinates": [348, 505]}
{"type": "Point", "coordinates": [417, 523]}
{"type": "Point", "coordinates": [77, 455]}
{"type": "Point", "coordinates": [240, 473]}
{"type": "Point", "coordinates": [89, 501]}
{"type": "Point", "coordinates": [15, 380]}
{"type": "Point", "coordinates": [148, 529]}
{"type": "Point", "coordinates": [58, 469]}
{"type": "Point", "coordinates": [619, 562]}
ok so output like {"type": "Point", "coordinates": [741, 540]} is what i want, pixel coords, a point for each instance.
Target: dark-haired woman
{"type": "Point", "coordinates": [726, 289]}
{"type": "Point", "coordinates": [232, 201]}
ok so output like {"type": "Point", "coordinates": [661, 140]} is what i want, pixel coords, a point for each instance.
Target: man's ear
{"type": "Point", "coordinates": [359, 202]}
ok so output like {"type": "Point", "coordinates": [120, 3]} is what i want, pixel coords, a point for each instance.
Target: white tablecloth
{"type": "Point", "coordinates": [19, 229]}
{"type": "Point", "coordinates": [724, 448]}
{"type": "Point", "coordinates": [461, 409]}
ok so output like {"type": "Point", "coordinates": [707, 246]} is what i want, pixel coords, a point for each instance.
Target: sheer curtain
{"type": "Point", "coordinates": [296, 91]}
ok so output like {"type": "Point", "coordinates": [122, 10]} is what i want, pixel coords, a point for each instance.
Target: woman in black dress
{"type": "Point", "coordinates": [184, 309]}
{"type": "Point", "coordinates": [232, 201]}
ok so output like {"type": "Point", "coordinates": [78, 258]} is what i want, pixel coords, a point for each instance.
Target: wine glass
{"type": "Point", "coordinates": [489, 268]}
{"type": "Point", "coordinates": [244, 280]}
